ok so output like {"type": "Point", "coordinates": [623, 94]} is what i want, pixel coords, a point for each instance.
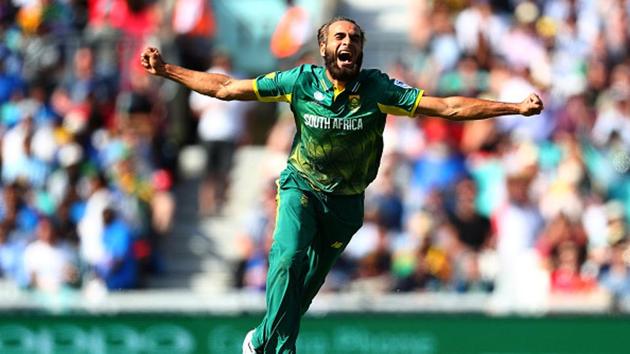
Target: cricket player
{"type": "Point", "coordinates": [340, 113]}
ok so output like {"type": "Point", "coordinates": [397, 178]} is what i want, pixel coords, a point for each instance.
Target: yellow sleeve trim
{"type": "Point", "coordinates": [397, 111]}
{"type": "Point", "coordinates": [278, 98]}
{"type": "Point", "coordinates": [415, 105]}
{"type": "Point", "coordinates": [255, 85]}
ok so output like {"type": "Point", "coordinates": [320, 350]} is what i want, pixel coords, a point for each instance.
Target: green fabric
{"type": "Point", "coordinates": [338, 144]}
{"type": "Point", "coordinates": [312, 230]}
{"type": "Point", "coordinates": [335, 154]}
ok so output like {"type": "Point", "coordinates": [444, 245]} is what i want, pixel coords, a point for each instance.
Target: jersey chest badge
{"type": "Point", "coordinates": [354, 102]}
{"type": "Point", "coordinates": [319, 96]}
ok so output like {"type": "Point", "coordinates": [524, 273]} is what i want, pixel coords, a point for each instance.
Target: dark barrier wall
{"type": "Point", "coordinates": [333, 334]}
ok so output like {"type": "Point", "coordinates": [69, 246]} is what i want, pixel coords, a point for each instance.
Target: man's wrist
{"type": "Point", "coordinates": [167, 69]}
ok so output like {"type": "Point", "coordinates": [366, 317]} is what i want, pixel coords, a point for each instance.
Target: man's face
{"type": "Point", "coordinates": [45, 232]}
{"type": "Point", "coordinates": [343, 51]}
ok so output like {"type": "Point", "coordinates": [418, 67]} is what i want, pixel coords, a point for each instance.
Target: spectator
{"type": "Point", "coordinates": [291, 32]}
{"type": "Point", "coordinates": [563, 175]}
{"type": "Point", "coordinates": [385, 195]}
{"type": "Point", "coordinates": [562, 231]}
{"type": "Point", "coordinates": [119, 270]}
{"type": "Point", "coordinates": [10, 82]}
{"type": "Point", "coordinates": [422, 254]}
{"type": "Point", "coordinates": [162, 203]}
{"type": "Point", "coordinates": [194, 25]}
{"type": "Point", "coordinates": [64, 181]}
{"type": "Point", "coordinates": [443, 44]}
{"type": "Point", "coordinates": [12, 254]}
{"type": "Point", "coordinates": [375, 262]}
{"type": "Point", "coordinates": [17, 209]}
{"type": "Point", "coordinates": [473, 229]}
{"type": "Point", "coordinates": [478, 26]}
{"type": "Point", "coordinates": [13, 144]}
{"type": "Point", "coordinates": [84, 98]}
{"type": "Point", "coordinates": [576, 117]}
{"type": "Point", "coordinates": [440, 163]}
{"type": "Point", "coordinates": [28, 169]}
{"type": "Point", "coordinates": [566, 276]}
{"type": "Point", "coordinates": [220, 127]}
{"type": "Point", "coordinates": [473, 235]}
{"type": "Point", "coordinates": [465, 79]}
{"type": "Point", "coordinates": [367, 255]}
{"type": "Point", "coordinates": [615, 276]}
{"type": "Point", "coordinates": [90, 227]}
{"type": "Point", "coordinates": [57, 116]}
{"type": "Point", "coordinates": [614, 121]}
{"type": "Point", "coordinates": [254, 242]}
{"type": "Point", "coordinates": [522, 282]}
{"type": "Point", "coordinates": [409, 248]}
{"type": "Point", "coordinates": [50, 263]}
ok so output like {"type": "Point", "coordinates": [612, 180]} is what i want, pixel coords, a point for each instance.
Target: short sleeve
{"type": "Point", "coordinates": [397, 97]}
{"type": "Point", "coordinates": [276, 86]}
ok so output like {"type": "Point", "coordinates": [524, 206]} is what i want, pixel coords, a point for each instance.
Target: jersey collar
{"type": "Point", "coordinates": [328, 86]}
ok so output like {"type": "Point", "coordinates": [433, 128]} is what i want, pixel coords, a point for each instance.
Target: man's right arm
{"type": "Point", "coordinates": [215, 85]}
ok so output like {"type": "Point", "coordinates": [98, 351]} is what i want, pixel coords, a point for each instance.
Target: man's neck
{"type": "Point", "coordinates": [338, 84]}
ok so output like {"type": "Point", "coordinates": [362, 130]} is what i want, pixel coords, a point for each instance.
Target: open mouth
{"type": "Point", "coordinates": [345, 58]}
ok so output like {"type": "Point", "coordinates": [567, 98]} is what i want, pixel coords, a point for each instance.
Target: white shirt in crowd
{"type": "Point", "coordinates": [50, 264]}
{"type": "Point", "coordinates": [218, 120]}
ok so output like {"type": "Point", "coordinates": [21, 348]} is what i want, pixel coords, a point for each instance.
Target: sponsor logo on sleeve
{"type": "Point", "coordinates": [401, 84]}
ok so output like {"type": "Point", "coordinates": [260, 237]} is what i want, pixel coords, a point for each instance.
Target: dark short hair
{"type": "Point", "coordinates": [322, 33]}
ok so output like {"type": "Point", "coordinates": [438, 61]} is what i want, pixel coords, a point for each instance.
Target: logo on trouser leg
{"type": "Point", "coordinates": [337, 245]}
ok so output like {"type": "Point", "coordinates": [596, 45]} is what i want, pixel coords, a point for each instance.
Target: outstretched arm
{"type": "Point", "coordinates": [216, 85]}
{"type": "Point", "coordinates": [464, 108]}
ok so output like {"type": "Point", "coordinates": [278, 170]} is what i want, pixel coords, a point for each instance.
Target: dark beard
{"type": "Point", "coordinates": [342, 74]}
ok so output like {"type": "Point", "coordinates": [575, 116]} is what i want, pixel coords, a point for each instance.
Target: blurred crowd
{"type": "Point", "coordinates": [86, 169]}
{"type": "Point", "coordinates": [517, 207]}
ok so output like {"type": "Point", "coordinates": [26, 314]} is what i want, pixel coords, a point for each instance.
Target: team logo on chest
{"type": "Point", "coordinates": [354, 102]}
{"type": "Point", "coordinates": [319, 96]}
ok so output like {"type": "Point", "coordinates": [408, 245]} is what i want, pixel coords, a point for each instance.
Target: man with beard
{"type": "Point", "coordinates": [340, 115]}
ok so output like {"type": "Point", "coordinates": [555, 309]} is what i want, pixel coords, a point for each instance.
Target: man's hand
{"type": "Point", "coordinates": [152, 61]}
{"type": "Point", "coordinates": [531, 105]}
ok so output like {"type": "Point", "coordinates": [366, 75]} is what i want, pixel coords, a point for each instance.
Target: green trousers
{"type": "Point", "coordinates": [312, 229]}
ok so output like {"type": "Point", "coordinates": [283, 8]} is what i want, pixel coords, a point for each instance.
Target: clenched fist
{"type": "Point", "coordinates": [531, 105]}
{"type": "Point", "coordinates": [152, 61]}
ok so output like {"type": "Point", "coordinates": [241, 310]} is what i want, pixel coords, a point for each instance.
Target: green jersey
{"type": "Point", "coordinates": [339, 140]}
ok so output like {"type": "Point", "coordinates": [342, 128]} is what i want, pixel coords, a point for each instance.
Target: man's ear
{"type": "Point", "coordinates": [322, 49]}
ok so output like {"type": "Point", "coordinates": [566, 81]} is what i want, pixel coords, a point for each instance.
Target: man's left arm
{"type": "Point", "coordinates": [458, 108]}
